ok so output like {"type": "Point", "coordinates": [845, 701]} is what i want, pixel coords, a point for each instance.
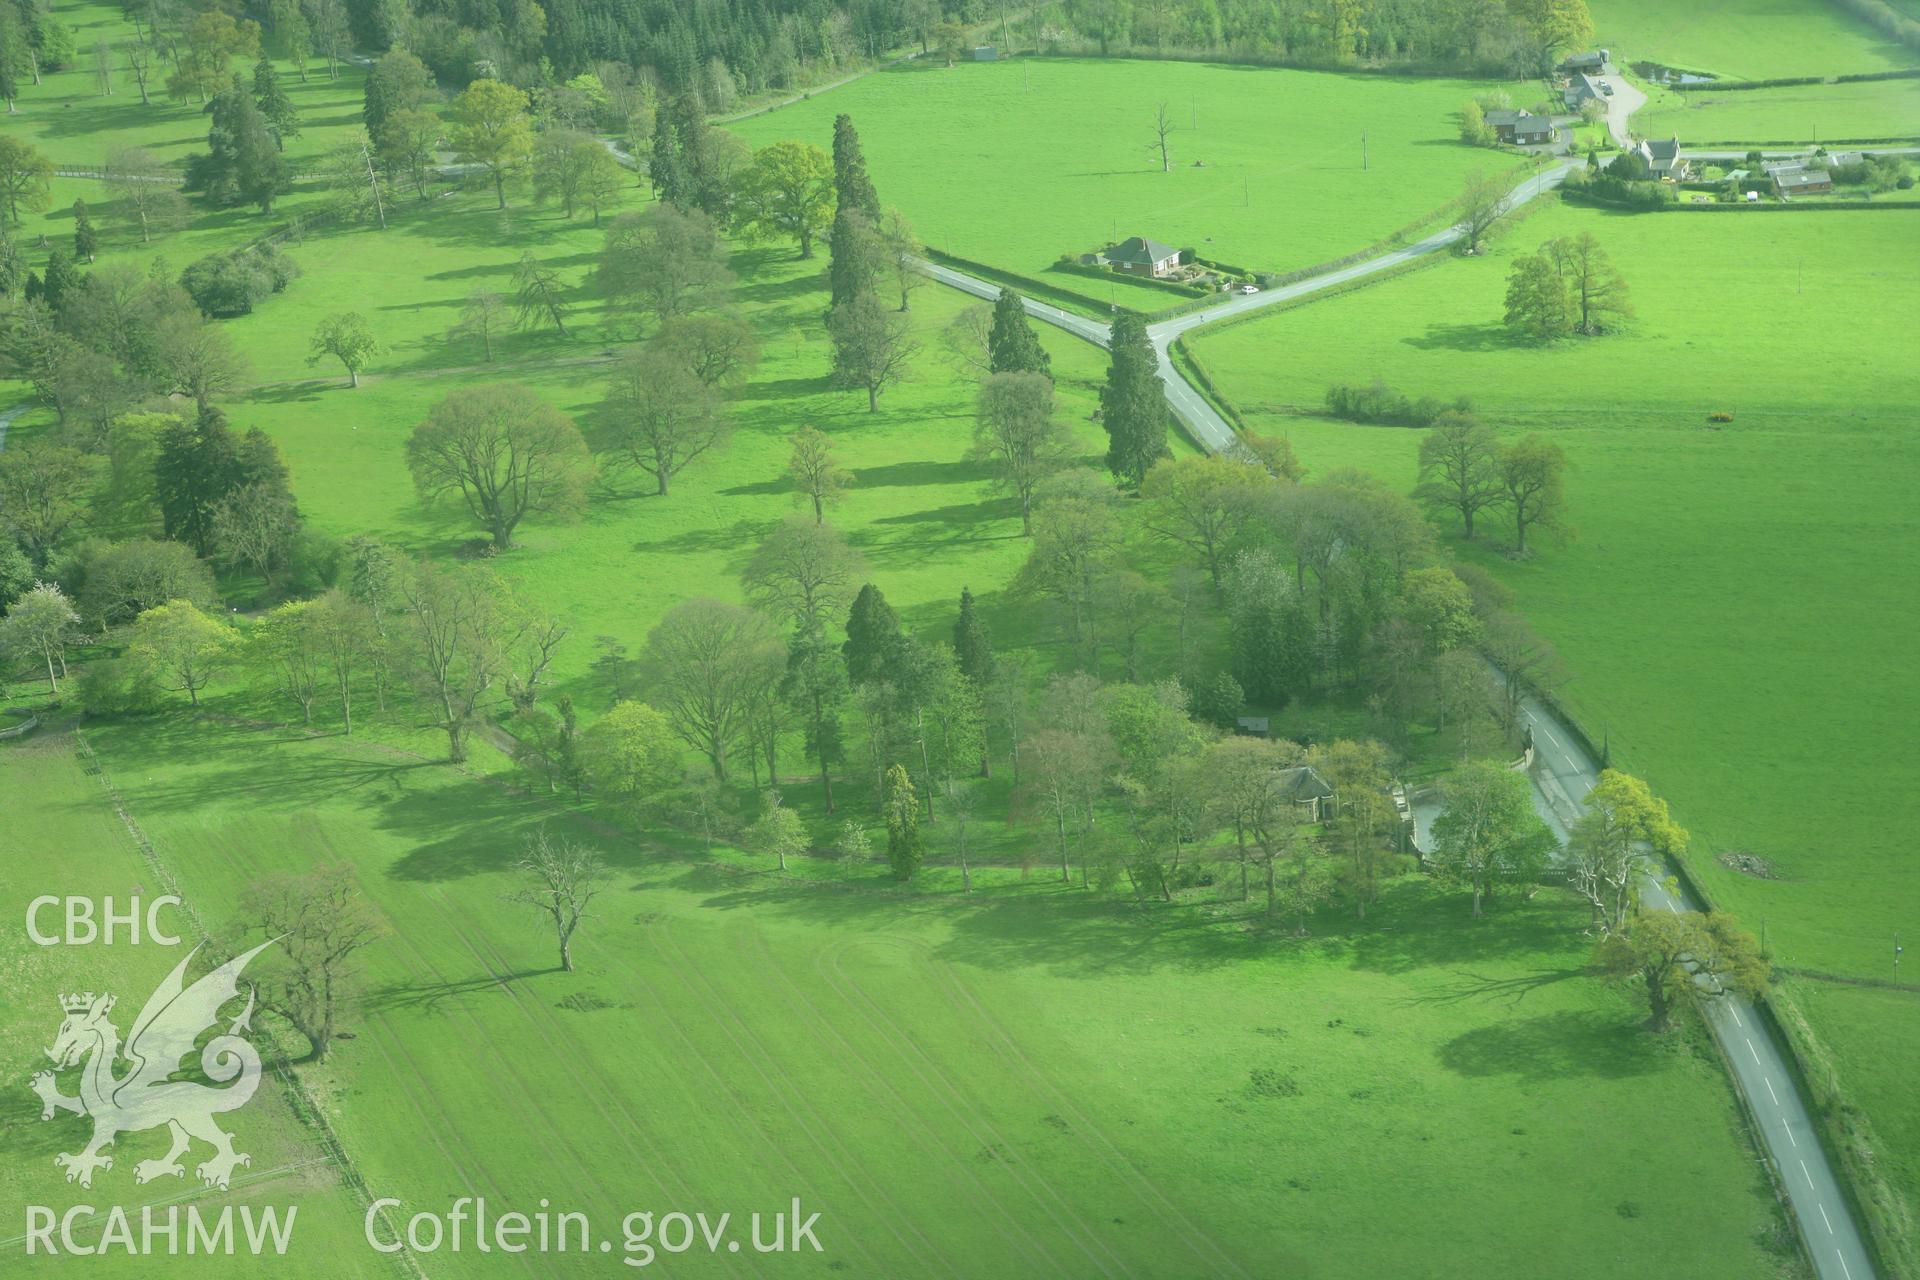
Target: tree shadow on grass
{"type": "Point", "coordinates": [1554, 1046]}
{"type": "Point", "coordinates": [965, 519]}
{"type": "Point", "coordinates": [1438, 934]}
{"type": "Point", "coordinates": [427, 996]}
{"type": "Point", "coordinates": [777, 290]}
{"type": "Point", "coordinates": [741, 535]}
{"type": "Point", "coordinates": [784, 388]}
{"type": "Point", "coordinates": [1465, 337]}
{"type": "Point", "coordinates": [1467, 987]}
{"type": "Point", "coordinates": [915, 474]}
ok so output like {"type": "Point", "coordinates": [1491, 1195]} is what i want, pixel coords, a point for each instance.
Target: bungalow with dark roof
{"type": "Point", "coordinates": [1802, 182]}
{"type": "Point", "coordinates": [1139, 256]}
{"type": "Point", "coordinates": [1303, 786]}
{"type": "Point", "coordinates": [1522, 128]}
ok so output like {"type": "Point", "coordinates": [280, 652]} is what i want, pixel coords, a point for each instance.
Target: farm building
{"type": "Point", "coordinates": [1802, 182]}
{"type": "Point", "coordinates": [1522, 127]}
{"type": "Point", "coordinates": [1139, 256]}
{"type": "Point", "coordinates": [985, 53]}
{"type": "Point", "coordinates": [1594, 60]}
{"type": "Point", "coordinates": [1582, 88]}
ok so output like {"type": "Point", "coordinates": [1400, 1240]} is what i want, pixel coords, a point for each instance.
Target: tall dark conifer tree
{"type": "Point", "coordinates": [874, 639]}
{"type": "Point", "coordinates": [972, 648]}
{"type": "Point", "coordinates": [852, 188]}
{"type": "Point", "coordinates": [1012, 345]}
{"type": "Point", "coordinates": [1132, 408]}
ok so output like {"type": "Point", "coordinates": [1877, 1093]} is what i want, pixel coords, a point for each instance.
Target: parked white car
{"type": "Point", "coordinates": [1249, 288]}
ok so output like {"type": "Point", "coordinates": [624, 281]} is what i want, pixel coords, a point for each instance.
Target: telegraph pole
{"type": "Point", "coordinates": [373, 184]}
{"type": "Point", "coordinates": [1363, 151]}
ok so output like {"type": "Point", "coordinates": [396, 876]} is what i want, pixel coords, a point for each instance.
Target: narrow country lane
{"type": "Point", "coordinates": [1563, 774]}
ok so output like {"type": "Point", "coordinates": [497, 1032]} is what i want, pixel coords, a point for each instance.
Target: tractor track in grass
{"type": "Point", "coordinates": [828, 962]}
{"type": "Point", "coordinates": [1007, 1049]}
{"type": "Point", "coordinates": [771, 1149]}
{"type": "Point", "coordinates": [758, 1266]}
{"type": "Point", "coordinates": [792, 1098]}
{"type": "Point", "coordinates": [924, 1136]}
{"type": "Point", "coordinates": [508, 1074]}
{"type": "Point", "coordinates": [352, 1180]}
{"type": "Point", "coordinates": [629, 1128]}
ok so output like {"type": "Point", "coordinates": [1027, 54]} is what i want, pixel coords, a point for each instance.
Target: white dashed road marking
{"type": "Point", "coordinates": [1770, 1093]}
{"type": "Point", "coordinates": [1750, 1049]}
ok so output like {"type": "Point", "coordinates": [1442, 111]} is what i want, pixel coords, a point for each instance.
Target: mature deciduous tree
{"type": "Point", "coordinates": [661, 415]}
{"type": "Point", "coordinates": [719, 347]}
{"type": "Point", "coordinates": [1459, 468]}
{"type": "Point", "coordinates": [1683, 957]}
{"type": "Point", "coordinates": [1484, 201]}
{"type": "Point", "coordinates": [804, 572]}
{"type": "Point", "coordinates": [1488, 831]}
{"type": "Point", "coordinates": [42, 623]}
{"type": "Point", "coordinates": [348, 338]}
{"type": "Point", "coordinates": [663, 262]}
{"type": "Point", "coordinates": [145, 194]}
{"type": "Point", "coordinates": [406, 144]}
{"type": "Point", "coordinates": [508, 454]}
{"type": "Point", "coordinates": [1537, 305]}
{"type": "Point", "coordinates": [1596, 292]}
{"type": "Point", "coordinates": [872, 346]}
{"type": "Point", "coordinates": [787, 191]}
{"type": "Point", "coordinates": [539, 296]}
{"type": "Point", "coordinates": [564, 877]}
{"type": "Point", "coordinates": [319, 923]}
{"type": "Point", "coordinates": [25, 177]}
{"type": "Point", "coordinates": [817, 476]}
{"type": "Point", "coordinates": [43, 494]}
{"type": "Point", "coordinates": [1532, 471]}
{"type": "Point", "coordinates": [183, 647]}
{"type": "Point", "coordinates": [632, 755]}
{"type": "Point", "coordinates": [1619, 842]}
{"type": "Point", "coordinates": [484, 317]}
{"type": "Point", "coordinates": [778, 831]}
{"type": "Point", "coordinates": [1076, 532]}
{"type": "Point", "coordinates": [1202, 503]}
{"type": "Point", "coordinates": [490, 129]}
{"type": "Point", "coordinates": [706, 662]}
{"type": "Point", "coordinates": [1015, 429]}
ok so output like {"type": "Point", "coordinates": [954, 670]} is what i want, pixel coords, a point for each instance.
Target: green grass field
{"type": "Point", "coordinates": [1745, 39]}
{"type": "Point", "coordinates": [1724, 607]}
{"type": "Point", "coordinates": [64, 838]}
{"type": "Point", "coordinates": [1281, 188]}
{"type": "Point", "coordinates": [1028, 1081]}
{"type": "Point", "coordinates": [918, 1065]}
{"type": "Point", "coordinates": [1796, 113]}
{"type": "Point", "coordinates": [74, 124]}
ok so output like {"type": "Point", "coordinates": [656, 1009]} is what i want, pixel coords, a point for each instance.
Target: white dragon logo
{"type": "Point", "coordinates": [147, 1096]}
